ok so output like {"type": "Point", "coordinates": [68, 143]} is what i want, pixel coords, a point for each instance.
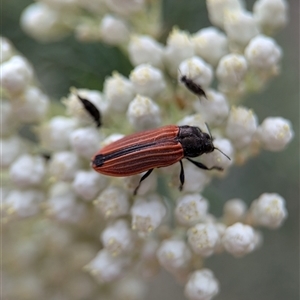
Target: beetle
{"type": "Point", "coordinates": [193, 86]}
{"type": "Point", "coordinates": [154, 148]}
{"type": "Point", "coordinates": [92, 110]}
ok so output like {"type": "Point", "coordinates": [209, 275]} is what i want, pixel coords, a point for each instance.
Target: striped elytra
{"type": "Point", "coordinates": [155, 148]}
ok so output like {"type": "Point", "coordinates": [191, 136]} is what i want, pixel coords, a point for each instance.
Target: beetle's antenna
{"type": "Point", "coordinates": [222, 153]}
{"type": "Point", "coordinates": [208, 131]}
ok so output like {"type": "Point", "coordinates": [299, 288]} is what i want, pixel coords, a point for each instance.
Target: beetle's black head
{"type": "Point", "coordinates": [194, 141]}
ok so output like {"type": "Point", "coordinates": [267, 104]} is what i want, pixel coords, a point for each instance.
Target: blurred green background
{"type": "Point", "coordinates": [270, 273]}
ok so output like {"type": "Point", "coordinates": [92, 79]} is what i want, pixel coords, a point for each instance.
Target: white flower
{"type": "Point", "coordinates": [191, 208]}
{"type": "Point", "coordinates": [27, 171]}
{"type": "Point", "coordinates": [218, 8]}
{"type": "Point", "coordinates": [210, 44]}
{"type": "Point", "coordinates": [217, 158]}
{"type": "Point", "coordinates": [87, 184]}
{"type": "Point", "coordinates": [117, 238]}
{"type": "Point", "coordinates": [195, 178]}
{"type": "Point", "coordinates": [275, 133]}
{"type": "Point", "coordinates": [271, 15]}
{"type": "Point", "coordinates": [10, 149]}
{"type": "Point", "coordinates": [64, 165]}
{"type": "Point", "coordinates": [202, 285]}
{"type": "Point", "coordinates": [144, 49]}
{"type": "Point", "coordinates": [193, 120]}
{"type": "Point", "coordinates": [239, 239]}
{"type": "Point", "coordinates": [234, 211]}
{"type": "Point", "coordinates": [23, 203]}
{"type": "Point", "coordinates": [174, 254]}
{"type": "Point", "coordinates": [107, 268]}
{"type": "Point", "coordinates": [215, 110]}
{"type": "Point", "coordinates": [263, 53]}
{"type": "Point", "coordinates": [85, 141]}
{"type": "Point", "coordinates": [16, 74]}
{"type": "Point", "coordinates": [56, 134]}
{"type": "Point", "coordinates": [203, 238]}
{"type": "Point", "coordinates": [196, 69]}
{"type": "Point", "coordinates": [125, 7]}
{"type": "Point", "coordinates": [231, 70]}
{"type": "Point", "coordinates": [269, 210]}
{"type": "Point", "coordinates": [113, 31]}
{"type": "Point", "coordinates": [6, 48]}
{"type": "Point", "coordinates": [179, 47]}
{"type": "Point", "coordinates": [111, 138]}
{"type": "Point", "coordinates": [241, 125]}
{"type": "Point", "coordinates": [113, 202]}
{"type": "Point", "coordinates": [118, 91]}
{"type": "Point", "coordinates": [147, 80]}
{"type": "Point", "coordinates": [32, 106]}
{"type": "Point", "coordinates": [62, 204]}
{"type": "Point", "coordinates": [8, 123]}
{"type": "Point", "coordinates": [43, 22]}
{"type": "Point", "coordinates": [143, 113]}
{"type": "Point", "coordinates": [240, 27]}
{"type": "Point", "coordinates": [147, 213]}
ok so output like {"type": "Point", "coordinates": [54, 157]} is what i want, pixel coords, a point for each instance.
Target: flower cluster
{"type": "Point", "coordinates": [51, 188]}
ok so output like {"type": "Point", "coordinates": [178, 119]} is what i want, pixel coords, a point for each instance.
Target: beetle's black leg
{"type": "Point", "coordinates": [201, 166]}
{"type": "Point", "coordinates": [181, 176]}
{"type": "Point", "coordinates": [143, 178]}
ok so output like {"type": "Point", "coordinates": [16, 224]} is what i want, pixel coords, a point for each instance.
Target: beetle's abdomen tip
{"type": "Point", "coordinates": [98, 161]}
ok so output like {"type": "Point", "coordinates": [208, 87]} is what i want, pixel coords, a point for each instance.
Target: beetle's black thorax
{"type": "Point", "coordinates": [194, 142]}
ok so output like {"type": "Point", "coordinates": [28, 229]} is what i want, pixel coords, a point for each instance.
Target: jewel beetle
{"type": "Point", "coordinates": [154, 148]}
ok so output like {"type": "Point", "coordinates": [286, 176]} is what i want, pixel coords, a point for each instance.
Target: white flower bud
{"type": "Point", "coordinates": [87, 184]}
{"type": "Point", "coordinates": [119, 92]}
{"type": "Point", "coordinates": [234, 211]}
{"type": "Point", "coordinates": [113, 31]}
{"type": "Point", "coordinates": [56, 134]}
{"type": "Point", "coordinates": [218, 8]}
{"type": "Point", "coordinates": [210, 44]}
{"type": "Point", "coordinates": [218, 159]}
{"type": "Point", "coordinates": [107, 268]}
{"type": "Point", "coordinates": [6, 48]}
{"type": "Point", "coordinates": [62, 204]}
{"type": "Point", "coordinates": [202, 285]}
{"type": "Point", "coordinates": [269, 210]}
{"type": "Point", "coordinates": [85, 141]}
{"type": "Point", "coordinates": [113, 202]}
{"type": "Point", "coordinates": [111, 138]}
{"type": "Point", "coordinates": [203, 238]}
{"type": "Point", "coordinates": [32, 106]}
{"type": "Point", "coordinates": [131, 288]}
{"type": "Point", "coordinates": [23, 203]}
{"type": "Point", "coordinates": [147, 80]}
{"type": "Point", "coordinates": [215, 110]}
{"type": "Point", "coordinates": [263, 53]}
{"type": "Point", "coordinates": [143, 113]}
{"type": "Point", "coordinates": [76, 109]}
{"type": "Point", "coordinates": [179, 47]}
{"type": "Point", "coordinates": [241, 125]}
{"type": "Point", "coordinates": [275, 133]}
{"type": "Point", "coordinates": [10, 149]}
{"type": "Point", "coordinates": [117, 238]}
{"type": "Point", "coordinates": [27, 171]}
{"type": "Point", "coordinates": [191, 208]}
{"type": "Point", "coordinates": [8, 123]}
{"type": "Point", "coordinates": [271, 15]}
{"type": "Point", "coordinates": [196, 69]}
{"type": "Point", "coordinates": [43, 22]}
{"type": "Point", "coordinates": [144, 49]}
{"type": "Point", "coordinates": [64, 165]}
{"type": "Point", "coordinates": [16, 73]}
{"type": "Point", "coordinates": [193, 120]}
{"type": "Point", "coordinates": [125, 7]}
{"type": "Point", "coordinates": [240, 27]}
{"type": "Point", "coordinates": [147, 214]}
{"type": "Point", "coordinates": [239, 239]}
{"type": "Point", "coordinates": [174, 254]}
{"type": "Point", "coordinates": [231, 70]}
{"type": "Point", "coordinates": [195, 178]}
